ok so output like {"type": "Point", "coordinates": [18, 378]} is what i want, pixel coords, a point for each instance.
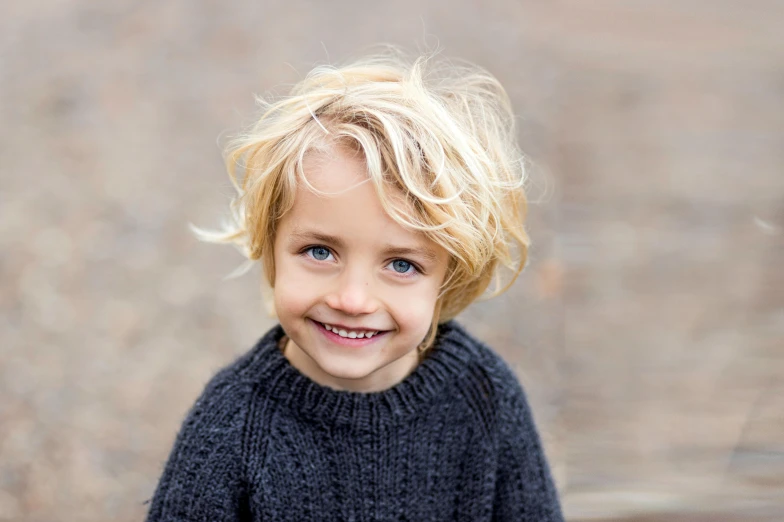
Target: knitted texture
{"type": "Point", "coordinates": [455, 440]}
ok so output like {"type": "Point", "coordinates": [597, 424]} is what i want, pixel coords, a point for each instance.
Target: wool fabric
{"type": "Point", "coordinates": [455, 440]}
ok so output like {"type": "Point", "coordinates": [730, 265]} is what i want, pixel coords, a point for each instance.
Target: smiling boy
{"type": "Point", "coordinates": [380, 198]}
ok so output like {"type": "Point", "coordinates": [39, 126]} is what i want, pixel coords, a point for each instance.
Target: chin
{"type": "Point", "coordinates": [348, 374]}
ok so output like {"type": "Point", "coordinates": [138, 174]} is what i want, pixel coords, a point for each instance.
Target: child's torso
{"type": "Point", "coordinates": [438, 466]}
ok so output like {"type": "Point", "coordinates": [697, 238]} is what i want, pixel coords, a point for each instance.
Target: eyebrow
{"type": "Point", "coordinates": [392, 250]}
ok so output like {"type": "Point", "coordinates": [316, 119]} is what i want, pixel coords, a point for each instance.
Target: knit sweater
{"type": "Point", "coordinates": [455, 440]}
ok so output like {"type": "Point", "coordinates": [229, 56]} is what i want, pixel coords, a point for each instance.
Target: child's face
{"type": "Point", "coordinates": [341, 260]}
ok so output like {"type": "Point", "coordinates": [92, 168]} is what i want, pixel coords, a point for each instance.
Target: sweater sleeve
{"type": "Point", "coordinates": [203, 479]}
{"type": "Point", "coordinates": [525, 490]}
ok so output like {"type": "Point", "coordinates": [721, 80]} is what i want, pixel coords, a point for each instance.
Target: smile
{"type": "Point", "coordinates": [346, 336]}
{"type": "Point", "coordinates": [352, 334]}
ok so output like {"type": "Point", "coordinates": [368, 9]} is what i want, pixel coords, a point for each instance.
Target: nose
{"type": "Point", "coordinates": [352, 294]}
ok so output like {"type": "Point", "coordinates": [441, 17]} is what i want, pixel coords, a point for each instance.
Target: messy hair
{"type": "Point", "coordinates": [439, 134]}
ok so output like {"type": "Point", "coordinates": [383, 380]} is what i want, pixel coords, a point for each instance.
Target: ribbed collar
{"type": "Point", "coordinates": [446, 361]}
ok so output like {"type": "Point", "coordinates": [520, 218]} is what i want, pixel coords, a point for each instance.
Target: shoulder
{"type": "Point", "coordinates": [207, 467]}
{"type": "Point", "coordinates": [488, 382]}
{"type": "Point", "coordinates": [220, 408]}
{"type": "Point", "coordinates": [230, 390]}
{"type": "Point", "coordinates": [484, 364]}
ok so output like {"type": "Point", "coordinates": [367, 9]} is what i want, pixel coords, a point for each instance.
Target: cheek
{"type": "Point", "coordinates": [291, 292]}
{"type": "Point", "coordinates": [414, 311]}
{"type": "Point", "coordinates": [291, 304]}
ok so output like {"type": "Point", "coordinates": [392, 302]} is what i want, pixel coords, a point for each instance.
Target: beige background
{"type": "Point", "coordinates": [648, 327]}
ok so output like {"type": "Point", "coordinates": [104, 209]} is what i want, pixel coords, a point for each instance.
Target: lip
{"type": "Point", "coordinates": [346, 341]}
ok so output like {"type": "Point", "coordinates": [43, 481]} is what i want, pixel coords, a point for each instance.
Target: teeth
{"type": "Point", "coordinates": [350, 334]}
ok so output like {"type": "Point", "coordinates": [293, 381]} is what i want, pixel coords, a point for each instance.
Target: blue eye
{"type": "Point", "coordinates": [401, 266]}
{"type": "Point", "coordinates": [319, 253]}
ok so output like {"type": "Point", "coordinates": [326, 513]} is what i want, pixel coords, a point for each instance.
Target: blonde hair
{"type": "Point", "coordinates": [440, 134]}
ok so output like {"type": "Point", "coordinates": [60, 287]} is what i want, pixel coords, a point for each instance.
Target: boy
{"type": "Point", "coordinates": [380, 201]}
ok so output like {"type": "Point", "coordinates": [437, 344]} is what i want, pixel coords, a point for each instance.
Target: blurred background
{"type": "Point", "coordinates": [648, 328]}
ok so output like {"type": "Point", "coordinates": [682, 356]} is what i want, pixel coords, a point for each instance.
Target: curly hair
{"type": "Point", "coordinates": [440, 134]}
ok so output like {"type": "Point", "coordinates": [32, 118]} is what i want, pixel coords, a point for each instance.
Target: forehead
{"type": "Point", "coordinates": [333, 169]}
{"type": "Point", "coordinates": [339, 175]}
{"type": "Point", "coordinates": [336, 196]}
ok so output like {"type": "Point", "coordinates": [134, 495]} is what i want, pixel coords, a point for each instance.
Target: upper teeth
{"type": "Point", "coordinates": [352, 334]}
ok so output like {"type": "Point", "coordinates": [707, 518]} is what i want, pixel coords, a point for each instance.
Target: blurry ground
{"type": "Point", "coordinates": [648, 328]}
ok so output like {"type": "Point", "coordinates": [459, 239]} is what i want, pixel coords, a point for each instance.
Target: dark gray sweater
{"type": "Point", "coordinates": [454, 441]}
